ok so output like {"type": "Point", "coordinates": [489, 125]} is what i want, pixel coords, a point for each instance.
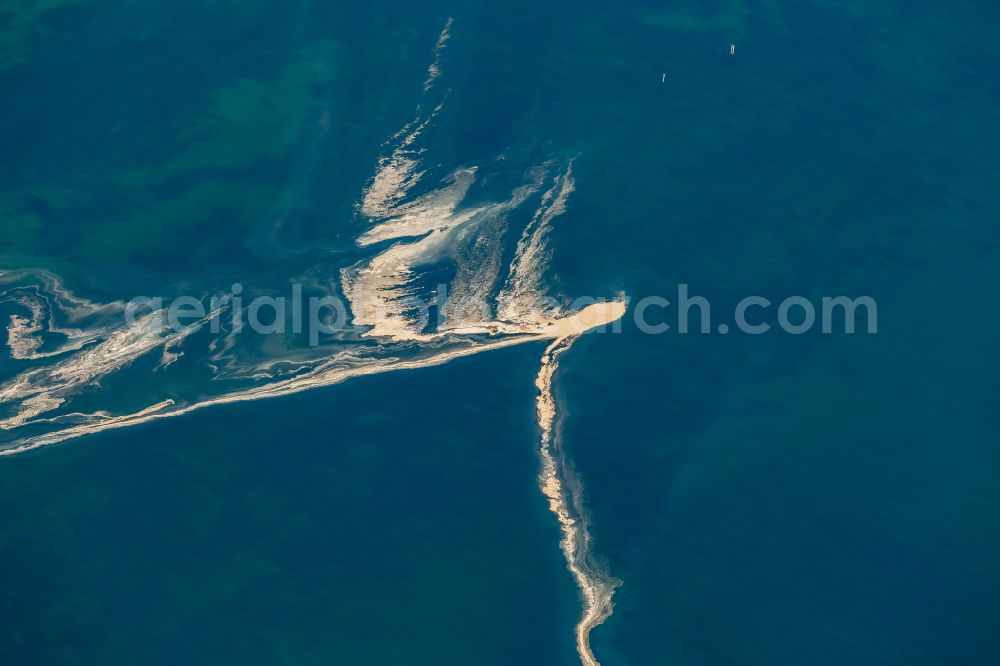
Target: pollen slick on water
{"type": "Point", "coordinates": [561, 487]}
{"type": "Point", "coordinates": [418, 218]}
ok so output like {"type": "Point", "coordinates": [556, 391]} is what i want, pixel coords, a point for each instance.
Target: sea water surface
{"type": "Point", "coordinates": [804, 499]}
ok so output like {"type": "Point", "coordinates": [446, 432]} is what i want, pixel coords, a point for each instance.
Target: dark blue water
{"type": "Point", "coordinates": [773, 499]}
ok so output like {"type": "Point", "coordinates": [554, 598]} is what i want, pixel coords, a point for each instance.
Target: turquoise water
{"type": "Point", "coordinates": [766, 499]}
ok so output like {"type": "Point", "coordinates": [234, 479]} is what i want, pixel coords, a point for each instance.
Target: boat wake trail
{"type": "Point", "coordinates": [563, 490]}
